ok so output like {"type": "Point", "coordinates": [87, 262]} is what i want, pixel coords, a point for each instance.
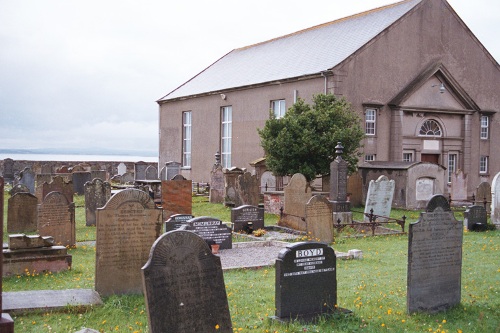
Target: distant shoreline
{"type": "Point", "coordinates": [78, 157]}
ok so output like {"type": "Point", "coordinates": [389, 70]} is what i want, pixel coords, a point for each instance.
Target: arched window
{"type": "Point", "coordinates": [430, 128]}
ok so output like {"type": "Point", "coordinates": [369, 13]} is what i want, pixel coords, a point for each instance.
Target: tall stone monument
{"type": "Point", "coordinates": [495, 201]}
{"type": "Point", "coordinates": [217, 181]}
{"type": "Point", "coordinates": [338, 188]}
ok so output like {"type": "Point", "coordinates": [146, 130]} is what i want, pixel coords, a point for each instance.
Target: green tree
{"type": "Point", "coordinates": [304, 140]}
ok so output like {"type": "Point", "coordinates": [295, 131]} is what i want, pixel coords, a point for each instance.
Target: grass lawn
{"type": "Point", "coordinates": [374, 288]}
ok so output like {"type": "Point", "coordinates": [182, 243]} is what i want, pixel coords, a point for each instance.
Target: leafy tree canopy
{"type": "Point", "coordinates": [304, 140]}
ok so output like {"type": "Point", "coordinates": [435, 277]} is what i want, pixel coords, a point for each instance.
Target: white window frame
{"type": "Point", "coordinates": [430, 128]}
{"type": "Point", "coordinates": [408, 156]}
{"type": "Point", "coordinates": [279, 108]}
{"type": "Point", "coordinates": [370, 157]}
{"type": "Point", "coordinates": [370, 121]}
{"type": "Point", "coordinates": [483, 164]}
{"type": "Point", "coordinates": [226, 135]}
{"type": "Point", "coordinates": [452, 165]}
{"type": "Point", "coordinates": [485, 122]}
{"type": "Point", "coordinates": [187, 120]}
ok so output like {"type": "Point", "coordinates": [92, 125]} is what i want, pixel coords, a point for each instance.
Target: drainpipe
{"type": "Point", "coordinates": [325, 74]}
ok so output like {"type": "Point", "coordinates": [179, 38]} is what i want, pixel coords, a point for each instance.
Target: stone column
{"type": "Point", "coordinates": [338, 188]}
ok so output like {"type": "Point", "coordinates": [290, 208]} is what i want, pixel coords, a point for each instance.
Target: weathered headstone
{"type": "Point", "coordinates": [297, 194]}
{"type": "Point", "coordinates": [247, 190]}
{"type": "Point", "coordinates": [19, 188]}
{"type": "Point", "coordinates": [140, 170]}
{"type": "Point", "coordinates": [483, 193]}
{"type": "Point", "coordinates": [355, 189]}
{"type": "Point", "coordinates": [56, 218]}
{"type": "Point", "coordinates": [212, 230]}
{"type": "Point", "coordinates": [424, 188]}
{"type": "Point", "coordinates": [379, 198]}
{"type": "Point", "coordinates": [57, 184]}
{"type": "Point", "coordinates": [101, 174]}
{"type": "Point", "coordinates": [184, 287]}
{"type": "Point", "coordinates": [177, 197]}
{"type": "Point", "coordinates": [306, 281]}
{"type": "Point", "coordinates": [172, 169]}
{"type": "Point", "coordinates": [122, 168]}
{"type": "Point", "coordinates": [127, 227]}
{"type": "Point", "coordinates": [230, 179]}
{"type": "Point", "coordinates": [247, 218]}
{"type": "Point", "coordinates": [27, 177]}
{"type": "Point", "coordinates": [79, 180]}
{"type": "Point", "coordinates": [319, 219]}
{"type": "Point", "coordinates": [6, 322]}
{"type": "Point", "coordinates": [495, 201]}
{"type": "Point", "coordinates": [128, 178]}
{"type": "Point", "coordinates": [97, 193]}
{"type": "Point", "coordinates": [151, 173]}
{"type": "Point", "coordinates": [434, 259]}
{"type": "Point", "coordinates": [8, 170]}
{"type": "Point", "coordinates": [338, 187]}
{"type": "Point", "coordinates": [41, 178]}
{"type": "Point", "coordinates": [458, 186]}
{"type": "Point", "coordinates": [216, 182]}
{"type": "Point", "coordinates": [22, 213]}
{"type": "Point", "coordinates": [176, 221]}
{"type": "Point", "coordinates": [267, 182]}
{"type": "Point", "coordinates": [476, 218]}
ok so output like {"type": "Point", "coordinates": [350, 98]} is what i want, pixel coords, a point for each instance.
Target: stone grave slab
{"type": "Point", "coordinates": [176, 221]}
{"type": "Point", "coordinates": [212, 230]}
{"type": "Point", "coordinates": [79, 180]}
{"type": "Point", "coordinates": [140, 170]}
{"type": "Point", "coordinates": [434, 259]}
{"type": "Point", "coordinates": [177, 197]}
{"type": "Point", "coordinates": [306, 281]}
{"type": "Point", "coordinates": [126, 228]}
{"type": "Point", "coordinates": [172, 169]}
{"type": "Point", "coordinates": [216, 185]}
{"type": "Point", "coordinates": [495, 201]}
{"type": "Point", "coordinates": [231, 196]}
{"type": "Point", "coordinates": [151, 173]}
{"type": "Point", "coordinates": [97, 193]}
{"type": "Point", "coordinates": [267, 182]}
{"type": "Point", "coordinates": [57, 184]}
{"type": "Point", "coordinates": [247, 218]}
{"type": "Point", "coordinates": [100, 174]}
{"type": "Point", "coordinates": [22, 241]}
{"type": "Point", "coordinates": [379, 198]}
{"type": "Point", "coordinates": [476, 218]}
{"type": "Point", "coordinates": [297, 194]}
{"type": "Point", "coordinates": [247, 190]}
{"type": "Point", "coordinates": [184, 286]}
{"type": "Point", "coordinates": [459, 186]}
{"type": "Point", "coordinates": [19, 188]}
{"type": "Point", "coordinates": [22, 213]}
{"type": "Point", "coordinates": [483, 193]}
{"type": "Point", "coordinates": [127, 178]}
{"type": "Point", "coordinates": [27, 177]}
{"type": "Point", "coordinates": [122, 168]}
{"type": "Point", "coordinates": [56, 218]}
{"type": "Point", "coordinates": [39, 259]}
{"type": "Point", "coordinates": [319, 219]}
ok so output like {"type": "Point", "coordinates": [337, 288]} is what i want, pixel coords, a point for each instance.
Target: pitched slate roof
{"type": "Point", "coordinates": [305, 52]}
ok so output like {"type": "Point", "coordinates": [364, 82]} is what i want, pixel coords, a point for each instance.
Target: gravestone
{"type": "Point", "coordinates": [177, 196]}
{"type": "Point", "coordinates": [297, 194]}
{"type": "Point", "coordinates": [306, 281]}
{"type": "Point", "coordinates": [122, 168]}
{"type": "Point", "coordinates": [458, 186]}
{"type": "Point", "coordinates": [247, 190]}
{"type": "Point", "coordinates": [379, 198]}
{"type": "Point", "coordinates": [231, 197]}
{"type": "Point", "coordinates": [216, 182]}
{"type": "Point", "coordinates": [127, 227]}
{"type": "Point", "coordinates": [56, 218]}
{"type": "Point", "coordinates": [171, 170]}
{"type": "Point", "coordinates": [6, 322]}
{"type": "Point", "coordinates": [46, 168]}
{"type": "Point", "coordinates": [267, 182]}
{"type": "Point", "coordinates": [140, 170]}
{"type": "Point", "coordinates": [128, 178]}
{"type": "Point", "coordinates": [176, 221]}
{"type": "Point", "coordinates": [483, 193]}
{"type": "Point", "coordinates": [319, 219]}
{"type": "Point", "coordinates": [434, 259]}
{"type": "Point", "coordinates": [476, 218]}
{"type": "Point", "coordinates": [19, 188]}
{"type": "Point", "coordinates": [22, 213]}
{"type": "Point", "coordinates": [97, 193]}
{"type": "Point", "coordinates": [41, 178]}
{"type": "Point", "coordinates": [184, 287]}
{"type": "Point", "coordinates": [338, 187]}
{"type": "Point", "coordinates": [151, 173]}
{"type": "Point", "coordinates": [424, 189]}
{"type": "Point", "coordinates": [212, 230]}
{"type": "Point", "coordinates": [27, 177]}
{"type": "Point", "coordinates": [79, 180]}
{"type": "Point", "coordinates": [57, 184]}
{"type": "Point", "coordinates": [8, 170]}
{"type": "Point", "coordinates": [355, 189]}
{"type": "Point", "coordinates": [101, 174]}
{"type": "Point", "coordinates": [247, 218]}
{"type": "Point", "coordinates": [495, 201]}
{"type": "Point", "coordinates": [63, 169]}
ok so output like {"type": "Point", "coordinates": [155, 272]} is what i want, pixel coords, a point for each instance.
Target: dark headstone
{"type": "Point", "coordinates": [212, 230]}
{"type": "Point", "coordinates": [19, 188]}
{"type": "Point", "coordinates": [176, 221]}
{"type": "Point", "coordinates": [79, 180]}
{"type": "Point", "coordinates": [22, 213]}
{"type": "Point", "coordinates": [434, 259]}
{"type": "Point", "coordinates": [151, 173]}
{"type": "Point", "coordinates": [476, 218]}
{"type": "Point", "coordinates": [184, 286]}
{"type": "Point", "coordinates": [247, 218]}
{"type": "Point", "coordinates": [338, 187]}
{"type": "Point", "coordinates": [127, 226]}
{"type": "Point", "coordinates": [483, 193]}
{"type": "Point", "coordinates": [306, 281]}
{"type": "Point", "coordinates": [97, 193]}
{"type": "Point", "coordinates": [172, 169]}
{"type": "Point", "coordinates": [8, 170]}
{"type": "Point", "coordinates": [101, 174]}
{"type": "Point", "coordinates": [140, 170]}
{"type": "Point", "coordinates": [56, 218]}
{"type": "Point", "coordinates": [6, 322]}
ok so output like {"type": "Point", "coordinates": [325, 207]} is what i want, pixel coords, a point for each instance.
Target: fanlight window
{"type": "Point", "coordinates": [430, 128]}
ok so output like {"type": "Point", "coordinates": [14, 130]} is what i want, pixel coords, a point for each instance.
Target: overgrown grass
{"type": "Point", "coordinates": [374, 288]}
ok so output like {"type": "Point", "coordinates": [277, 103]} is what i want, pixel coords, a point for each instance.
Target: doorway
{"type": "Point", "coordinates": [432, 158]}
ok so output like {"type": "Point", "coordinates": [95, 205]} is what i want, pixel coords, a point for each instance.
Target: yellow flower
{"type": "Point", "coordinates": [382, 325]}
{"type": "Point", "coordinates": [217, 326]}
{"type": "Point", "coordinates": [403, 321]}
{"type": "Point", "coordinates": [444, 321]}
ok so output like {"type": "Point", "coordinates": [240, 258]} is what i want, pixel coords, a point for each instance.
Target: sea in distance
{"type": "Point", "coordinates": [78, 157]}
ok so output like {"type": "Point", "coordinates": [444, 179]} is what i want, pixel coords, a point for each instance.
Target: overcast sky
{"type": "Point", "coordinates": [87, 73]}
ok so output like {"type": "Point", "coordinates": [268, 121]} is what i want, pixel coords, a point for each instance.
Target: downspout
{"type": "Point", "coordinates": [325, 74]}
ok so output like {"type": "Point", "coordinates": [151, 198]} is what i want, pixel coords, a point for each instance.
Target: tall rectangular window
{"type": "Point", "coordinates": [186, 139]}
{"type": "Point", "coordinates": [370, 121]}
{"type": "Point", "coordinates": [226, 133]}
{"type": "Point", "coordinates": [278, 107]}
{"type": "Point", "coordinates": [484, 127]}
{"type": "Point", "coordinates": [483, 164]}
{"type": "Point", "coordinates": [452, 165]}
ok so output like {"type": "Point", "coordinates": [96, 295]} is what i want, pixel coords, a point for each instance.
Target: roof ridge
{"type": "Point", "coordinates": [342, 19]}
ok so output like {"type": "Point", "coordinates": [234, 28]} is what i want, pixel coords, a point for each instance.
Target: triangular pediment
{"type": "Point", "coordinates": [435, 88]}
